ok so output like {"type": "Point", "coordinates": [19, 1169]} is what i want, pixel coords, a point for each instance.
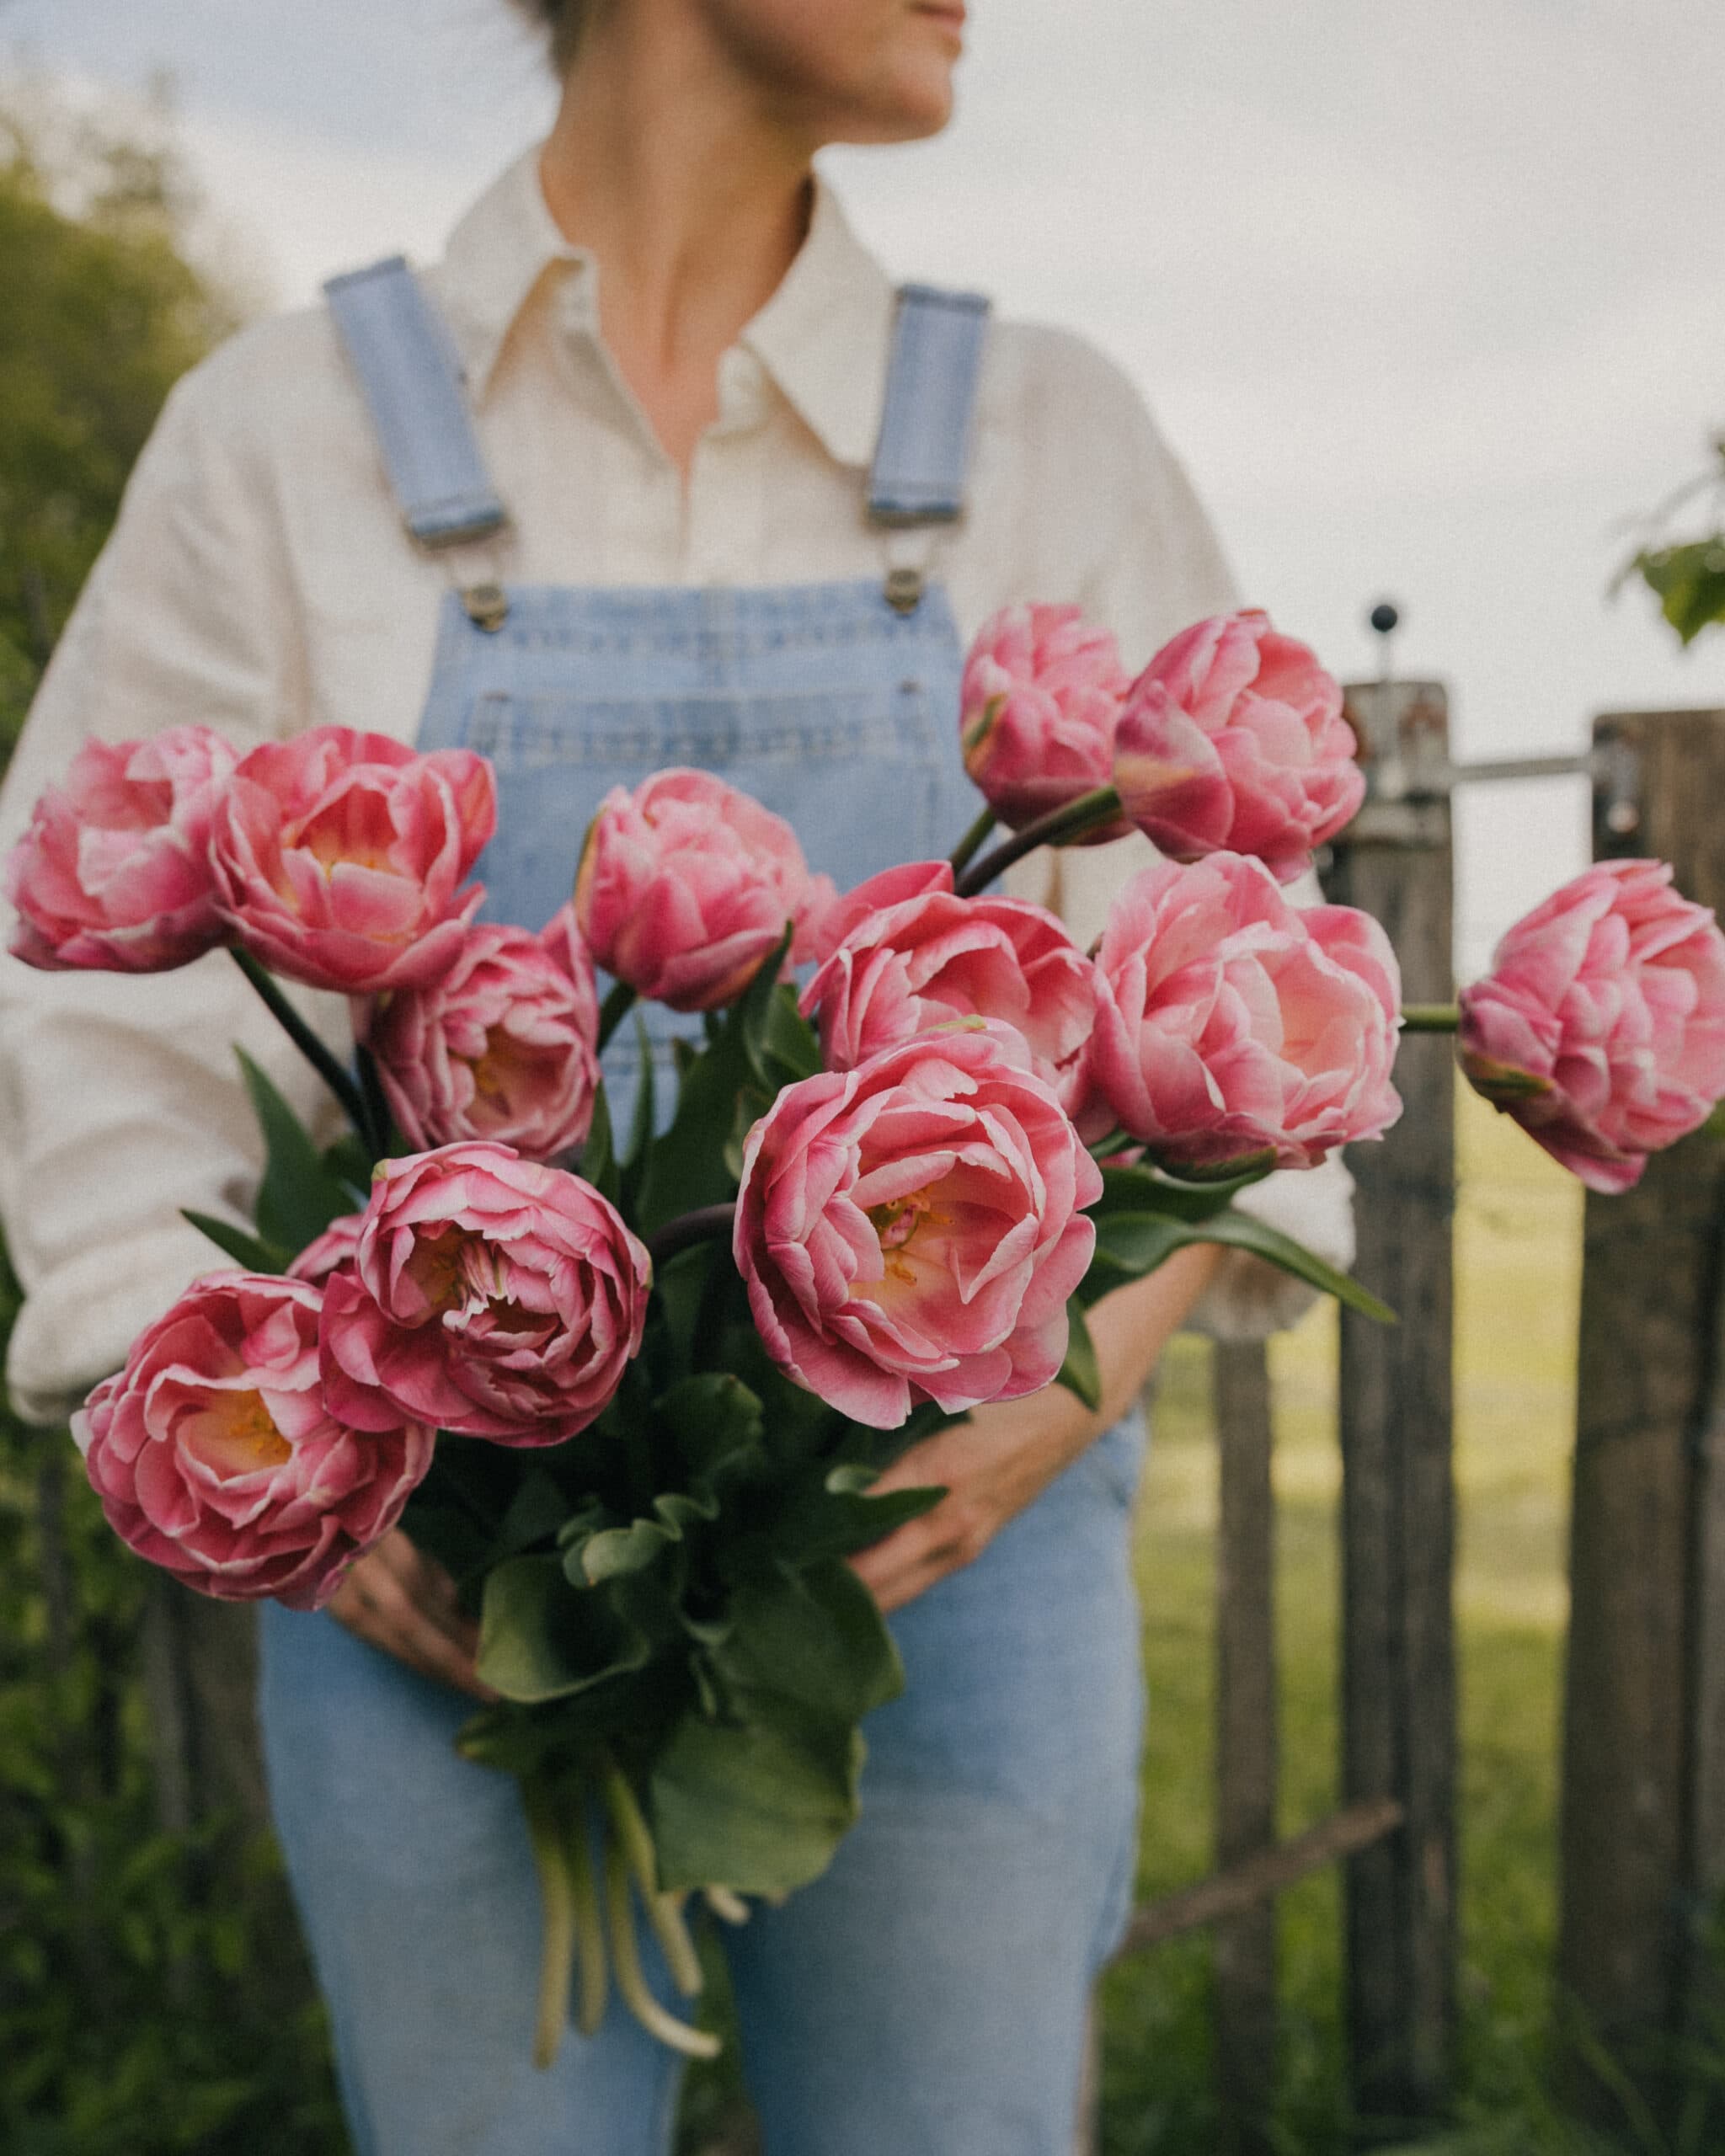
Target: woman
{"type": "Point", "coordinates": [682, 483]}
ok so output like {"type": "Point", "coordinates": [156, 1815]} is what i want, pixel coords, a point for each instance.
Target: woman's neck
{"type": "Point", "coordinates": [693, 199]}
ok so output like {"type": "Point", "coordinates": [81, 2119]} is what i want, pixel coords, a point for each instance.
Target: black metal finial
{"type": "Point", "coordinates": [1385, 618]}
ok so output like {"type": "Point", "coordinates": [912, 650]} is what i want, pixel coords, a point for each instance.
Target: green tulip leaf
{"type": "Point", "coordinates": [1080, 1373]}
{"type": "Point", "coordinates": [817, 1636]}
{"type": "Point", "coordinates": [1131, 1245]}
{"type": "Point", "coordinates": [757, 1803]}
{"type": "Point", "coordinates": [299, 1196]}
{"type": "Point", "coordinates": [251, 1253]}
{"type": "Point", "coordinates": [541, 1639]}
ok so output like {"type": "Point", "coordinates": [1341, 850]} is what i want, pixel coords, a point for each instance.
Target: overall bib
{"type": "Point", "coordinates": [926, 1997]}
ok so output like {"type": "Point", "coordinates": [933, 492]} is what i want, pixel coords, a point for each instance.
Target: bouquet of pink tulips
{"type": "Point", "coordinates": [633, 1392]}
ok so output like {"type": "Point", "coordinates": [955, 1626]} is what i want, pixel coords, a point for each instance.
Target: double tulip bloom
{"type": "Point", "coordinates": [114, 872]}
{"type": "Point", "coordinates": [1234, 1027]}
{"type": "Point", "coordinates": [687, 884]}
{"type": "Point", "coordinates": [911, 1231]}
{"type": "Point", "coordinates": [215, 1453]}
{"type": "Point", "coordinates": [1601, 1025]}
{"type": "Point", "coordinates": [502, 1047]}
{"type": "Point", "coordinates": [1232, 739]}
{"type": "Point", "coordinates": [487, 1295]}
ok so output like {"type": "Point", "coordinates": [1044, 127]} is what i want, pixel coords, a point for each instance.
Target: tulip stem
{"type": "Point", "coordinates": [1060, 827]}
{"type": "Point", "coordinates": [707, 1223]}
{"type": "Point", "coordinates": [626, 1959]}
{"type": "Point", "coordinates": [320, 1058]}
{"type": "Point", "coordinates": [547, 1834]}
{"type": "Point", "coordinates": [1430, 1018]}
{"type": "Point", "coordinates": [966, 851]}
{"type": "Point", "coordinates": [589, 1925]}
{"type": "Point", "coordinates": [619, 1001]}
{"type": "Point", "coordinates": [664, 1910]}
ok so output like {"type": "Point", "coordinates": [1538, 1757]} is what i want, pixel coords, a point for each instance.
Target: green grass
{"type": "Point", "coordinates": [1517, 1252]}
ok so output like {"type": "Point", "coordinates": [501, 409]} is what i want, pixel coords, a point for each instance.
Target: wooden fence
{"type": "Point", "coordinates": [1642, 1855]}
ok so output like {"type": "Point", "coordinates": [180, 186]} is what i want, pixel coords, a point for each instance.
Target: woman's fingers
{"type": "Point", "coordinates": [397, 1600]}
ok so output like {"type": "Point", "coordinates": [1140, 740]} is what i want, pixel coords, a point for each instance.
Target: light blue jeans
{"type": "Point", "coordinates": [925, 1998]}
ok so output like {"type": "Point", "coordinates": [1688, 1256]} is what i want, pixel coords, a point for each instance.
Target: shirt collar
{"type": "Point", "coordinates": [824, 337]}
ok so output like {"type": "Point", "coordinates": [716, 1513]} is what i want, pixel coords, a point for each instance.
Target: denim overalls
{"type": "Point", "coordinates": [926, 1997]}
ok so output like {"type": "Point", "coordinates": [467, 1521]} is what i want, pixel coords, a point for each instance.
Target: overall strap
{"type": "Point", "coordinates": [923, 454]}
{"type": "Point", "coordinates": [411, 377]}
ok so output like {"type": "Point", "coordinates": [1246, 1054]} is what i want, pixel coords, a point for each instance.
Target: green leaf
{"type": "Point", "coordinates": [817, 1636]}
{"type": "Point", "coordinates": [1131, 1245]}
{"type": "Point", "coordinates": [687, 1168]}
{"type": "Point", "coordinates": [718, 1425]}
{"type": "Point", "coordinates": [791, 1049]}
{"type": "Point", "coordinates": [299, 1196]}
{"type": "Point", "coordinates": [1080, 1373]}
{"type": "Point", "coordinates": [1689, 583]}
{"type": "Point", "coordinates": [839, 1516]}
{"type": "Point", "coordinates": [541, 1639]}
{"type": "Point", "coordinates": [646, 1109]}
{"type": "Point", "coordinates": [1151, 1190]}
{"type": "Point", "coordinates": [348, 1160]}
{"type": "Point", "coordinates": [250, 1252]}
{"type": "Point", "coordinates": [599, 1162]}
{"type": "Point", "coordinates": [758, 1804]}
{"type": "Point", "coordinates": [614, 1550]}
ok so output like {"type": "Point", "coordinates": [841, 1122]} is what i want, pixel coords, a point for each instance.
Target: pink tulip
{"type": "Point", "coordinates": [1233, 1026]}
{"type": "Point", "coordinates": [113, 873]}
{"type": "Point", "coordinates": [1601, 1025]}
{"type": "Point", "coordinates": [330, 1252]}
{"type": "Point", "coordinates": [488, 1295]}
{"type": "Point", "coordinates": [910, 879]}
{"type": "Point", "coordinates": [501, 1048]}
{"type": "Point", "coordinates": [216, 1456]}
{"type": "Point", "coordinates": [1040, 700]}
{"type": "Point", "coordinates": [909, 967]}
{"type": "Point", "coordinates": [685, 885]}
{"type": "Point", "coordinates": [911, 1230]}
{"type": "Point", "coordinates": [1233, 739]}
{"type": "Point", "coordinates": [339, 857]}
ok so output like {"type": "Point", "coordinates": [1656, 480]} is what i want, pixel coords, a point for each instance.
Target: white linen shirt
{"type": "Point", "coordinates": [260, 582]}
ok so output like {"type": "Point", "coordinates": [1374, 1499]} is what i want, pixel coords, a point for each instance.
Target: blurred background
{"type": "Point", "coordinates": [1430, 302]}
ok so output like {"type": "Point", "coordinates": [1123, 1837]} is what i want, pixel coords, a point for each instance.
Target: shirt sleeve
{"type": "Point", "coordinates": [1157, 568]}
{"type": "Point", "coordinates": [119, 1096]}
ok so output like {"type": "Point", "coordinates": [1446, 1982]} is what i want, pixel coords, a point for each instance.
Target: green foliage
{"type": "Point", "coordinates": [1689, 583]}
{"type": "Point", "coordinates": [142, 2002]}
{"type": "Point", "coordinates": [102, 313]}
{"type": "Point", "coordinates": [1686, 577]}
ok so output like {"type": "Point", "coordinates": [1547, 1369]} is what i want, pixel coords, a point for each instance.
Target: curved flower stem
{"type": "Point", "coordinates": [589, 1925]}
{"type": "Point", "coordinates": [707, 1224]}
{"type": "Point", "coordinates": [619, 1001]}
{"type": "Point", "coordinates": [966, 851]}
{"type": "Point", "coordinates": [376, 1099]}
{"type": "Point", "coordinates": [550, 1845]}
{"type": "Point", "coordinates": [694, 2043]}
{"type": "Point", "coordinates": [664, 1911]}
{"type": "Point", "coordinates": [307, 1042]}
{"type": "Point", "coordinates": [1117, 1141]}
{"type": "Point", "coordinates": [1060, 827]}
{"type": "Point", "coordinates": [727, 1907]}
{"type": "Point", "coordinates": [1431, 1018]}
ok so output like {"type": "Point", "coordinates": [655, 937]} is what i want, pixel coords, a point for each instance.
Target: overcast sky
{"type": "Point", "coordinates": [1431, 298]}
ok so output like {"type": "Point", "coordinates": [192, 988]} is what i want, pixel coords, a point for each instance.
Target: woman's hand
{"type": "Point", "coordinates": [994, 1463]}
{"type": "Point", "coordinates": [397, 1598]}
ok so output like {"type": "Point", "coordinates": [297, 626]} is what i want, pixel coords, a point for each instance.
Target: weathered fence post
{"type": "Point", "coordinates": [1245, 1744]}
{"type": "Point", "coordinates": [1643, 1807]}
{"type": "Point", "coordinates": [1398, 1679]}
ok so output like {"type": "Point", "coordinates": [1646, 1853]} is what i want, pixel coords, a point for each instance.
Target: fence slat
{"type": "Point", "coordinates": [1245, 1744]}
{"type": "Point", "coordinates": [1642, 1837]}
{"type": "Point", "coordinates": [1399, 1739]}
